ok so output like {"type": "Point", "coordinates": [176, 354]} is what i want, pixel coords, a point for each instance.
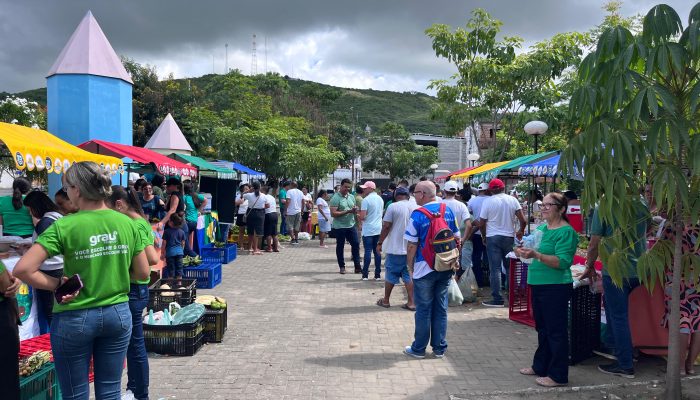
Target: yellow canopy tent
{"type": "Point", "coordinates": [480, 169]}
{"type": "Point", "coordinates": [38, 149]}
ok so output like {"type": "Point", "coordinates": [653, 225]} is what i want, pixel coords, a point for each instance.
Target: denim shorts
{"type": "Point", "coordinates": [396, 269]}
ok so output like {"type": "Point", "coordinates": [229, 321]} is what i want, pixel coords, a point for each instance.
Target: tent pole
{"type": "Point", "coordinates": [529, 206]}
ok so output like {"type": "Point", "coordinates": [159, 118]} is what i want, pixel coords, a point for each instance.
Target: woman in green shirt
{"type": "Point", "coordinates": [105, 249]}
{"type": "Point", "coordinates": [549, 277]}
{"type": "Point", "coordinates": [14, 216]}
{"type": "Point", "coordinates": [125, 201]}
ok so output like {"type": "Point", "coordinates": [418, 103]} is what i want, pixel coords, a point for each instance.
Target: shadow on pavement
{"type": "Point", "coordinates": [350, 310]}
{"type": "Point", "coordinates": [360, 361]}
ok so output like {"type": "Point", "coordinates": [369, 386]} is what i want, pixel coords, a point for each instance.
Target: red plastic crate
{"type": "Point", "coordinates": [43, 343]}
{"type": "Point", "coordinates": [519, 296]}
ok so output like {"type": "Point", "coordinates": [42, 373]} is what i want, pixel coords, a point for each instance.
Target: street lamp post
{"type": "Point", "coordinates": [535, 128]}
{"type": "Point", "coordinates": [433, 167]}
{"type": "Point", "coordinates": [473, 158]}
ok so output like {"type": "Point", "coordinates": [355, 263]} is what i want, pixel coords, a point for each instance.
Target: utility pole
{"type": "Point", "coordinates": [265, 54]}
{"type": "Point", "coordinates": [212, 64]}
{"type": "Point", "coordinates": [352, 112]}
{"type": "Point", "coordinates": [226, 68]}
{"type": "Point", "coordinates": [254, 59]}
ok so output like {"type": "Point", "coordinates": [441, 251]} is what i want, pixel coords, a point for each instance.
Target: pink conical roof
{"type": "Point", "coordinates": [168, 136]}
{"type": "Point", "coordinates": [88, 52]}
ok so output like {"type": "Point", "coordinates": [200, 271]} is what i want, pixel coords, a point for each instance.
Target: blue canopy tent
{"type": "Point", "coordinates": [547, 168]}
{"type": "Point", "coordinates": [240, 168]}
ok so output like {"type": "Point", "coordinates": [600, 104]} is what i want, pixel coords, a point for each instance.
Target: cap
{"type": "Point", "coordinates": [401, 191]}
{"type": "Point", "coordinates": [496, 184]}
{"type": "Point", "coordinates": [368, 184]}
{"type": "Point", "coordinates": [451, 186]}
{"type": "Point", "coordinates": [483, 186]}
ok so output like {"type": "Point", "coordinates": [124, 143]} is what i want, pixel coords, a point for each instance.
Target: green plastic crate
{"type": "Point", "coordinates": [42, 385]}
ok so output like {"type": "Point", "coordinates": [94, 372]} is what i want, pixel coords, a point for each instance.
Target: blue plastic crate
{"type": "Point", "coordinates": [224, 255]}
{"type": "Point", "coordinates": [207, 275]}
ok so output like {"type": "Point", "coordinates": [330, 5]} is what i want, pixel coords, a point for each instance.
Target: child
{"type": "Point", "coordinates": [173, 245]}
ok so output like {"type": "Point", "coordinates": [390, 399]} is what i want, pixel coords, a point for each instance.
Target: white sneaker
{"type": "Point", "coordinates": [128, 395]}
{"type": "Point", "coordinates": [365, 279]}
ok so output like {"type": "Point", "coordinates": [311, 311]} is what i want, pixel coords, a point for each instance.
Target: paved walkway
{"type": "Point", "coordinates": [299, 330]}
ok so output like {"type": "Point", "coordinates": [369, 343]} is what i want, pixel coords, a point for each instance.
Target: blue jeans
{"type": "Point", "coordinates": [173, 267]}
{"type": "Point", "coordinates": [550, 305]}
{"type": "Point", "coordinates": [616, 312]}
{"type": "Point", "coordinates": [186, 228]}
{"type": "Point", "coordinates": [430, 296]}
{"type": "Point", "coordinates": [136, 357]}
{"type": "Point", "coordinates": [349, 234]}
{"type": "Point", "coordinates": [102, 333]}
{"type": "Point", "coordinates": [370, 245]}
{"type": "Point", "coordinates": [478, 259]}
{"type": "Point", "coordinates": [496, 248]}
{"type": "Point", "coordinates": [283, 225]}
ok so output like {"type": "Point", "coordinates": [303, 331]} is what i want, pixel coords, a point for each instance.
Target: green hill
{"type": "Point", "coordinates": [368, 106]}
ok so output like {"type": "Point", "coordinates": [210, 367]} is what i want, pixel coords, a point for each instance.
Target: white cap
{"type": "Point", "coordinates": [483, 186]}
{"type": "Point", "coordinates": [451, 186]}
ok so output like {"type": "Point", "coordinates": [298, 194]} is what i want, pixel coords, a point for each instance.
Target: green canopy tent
{"type": "Point", "coordinates": [205, 167]}
{"type": "Point", "coordinates": [510, 169]}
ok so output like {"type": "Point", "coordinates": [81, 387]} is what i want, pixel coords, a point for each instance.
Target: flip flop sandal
{"type": "Point", "coordinates": [548, 382]}
{"type": "Point", "coordinates": [406, 307]}
{"type": "Point", "coordinates": [380, 303]}
{"type": "Point", "coordinates": [257, 253]}
{"type": "Point", "coordinates": [528, 371]}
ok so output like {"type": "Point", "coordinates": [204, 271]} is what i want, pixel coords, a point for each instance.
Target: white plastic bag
{"type": "Point", "coordinates": [468, 286]}
{"type": "Point", "coordinates": [304, 236]}
{"type": "Point", "coordinates": [454, 296]}
{"type": "Point", "coordinates": [531, 241]}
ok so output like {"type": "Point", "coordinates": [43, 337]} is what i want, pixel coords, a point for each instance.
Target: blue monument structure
{"type": "Point", "coordinates": [89, 93]}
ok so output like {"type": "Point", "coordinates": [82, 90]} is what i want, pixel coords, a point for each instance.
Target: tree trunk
{"type": "Point", "coordinates": [673, 373]}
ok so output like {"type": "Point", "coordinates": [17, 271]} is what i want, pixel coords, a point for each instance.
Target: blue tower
{"type": "Point", "coordinates": [89, 93]}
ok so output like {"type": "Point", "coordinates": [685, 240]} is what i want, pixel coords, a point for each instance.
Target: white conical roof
{"type": "Point", "coordinates": [168, 136]}
{"type": "Point", "coordinates": [88, 52]}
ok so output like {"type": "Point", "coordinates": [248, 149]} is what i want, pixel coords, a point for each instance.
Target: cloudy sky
{"type": "Point", "coordinates": [377, 44]}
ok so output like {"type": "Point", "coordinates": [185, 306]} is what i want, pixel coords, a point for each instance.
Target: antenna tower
{"type": "Point", "coordinates": [265, 54]}
{"type": "Point", "coordinates": [226, 67]}
{"type": "Point", "coordinates": [254, 59]}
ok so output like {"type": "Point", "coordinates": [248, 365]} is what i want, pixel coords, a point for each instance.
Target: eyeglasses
{"type": "Point", "coordinates": [550, 205]}
{"type": "Point", "coordinates": [418, 191]}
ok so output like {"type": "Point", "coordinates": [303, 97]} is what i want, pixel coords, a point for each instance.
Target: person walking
{"type": "Point", "coordinates": [371, 224]}
{"type": "Point", "coordinates": [344, 213]}
{"type": "Point", "coordinates": [295, 200]}
{"type": "Point", "coordinates": [194, 205]}
{"type": "Point", "coordinates": [45, 212]}
{"type": "Point", "coordinates": [271, 220]}
{"type": "Point", "coordinates": [479, 258]}
{"type": "Point", "coordinates": [324, 216]}
{"type": "Point", "coordinates": [498, 216]}
{"type": "Point", "coordinates": [124, 200]}
{"type": "Point", "coordinates": [283, 207]}
{"type": "Point", "coordinates": [549, 277]}
{"type": "Point", "coordinates": [463, 220]}
{"type": "Point", "coordinates": [14, 216]}
{"type": "Point", "coordinates": [393, 227]}
{"type": "Point", "coordinates": [430, 286]}
{"type": "Point", "coordinates": [255, 223]}
{"type": "Point", "coordinates": [616, 298]}
{"type": "Point", "coordinates": [105, 249]}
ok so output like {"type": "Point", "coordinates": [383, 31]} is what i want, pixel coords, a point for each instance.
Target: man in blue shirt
{"type": "Point", "coordinates": [371, 222]}
{"type": "Point", "coordinates": [429, 286]}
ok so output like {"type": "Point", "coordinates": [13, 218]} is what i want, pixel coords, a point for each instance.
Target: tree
{"type": "Point", "coordinates": [16, 110]}
{"type": "Point", "coordinates": [638, 107]}
{"type": "Point", "coordinates": [311, 163]}
{"type": "Point", "coordinates": [394, 153]}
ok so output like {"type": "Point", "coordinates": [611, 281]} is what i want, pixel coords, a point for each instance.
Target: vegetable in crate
{"type": "Point", "coordinates": [33, 363]}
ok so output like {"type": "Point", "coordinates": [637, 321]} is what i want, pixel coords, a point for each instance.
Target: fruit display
{"type": "Point", "coordinates": [33, 363]}
{"type": "Point", "coordinates": [213, 302]}
{"type": "Point", "coordinates": [188, 261]}
{"type": "Point", "coordinates": [219, 245]}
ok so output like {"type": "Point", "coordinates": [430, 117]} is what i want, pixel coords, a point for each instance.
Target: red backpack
{"type": "Point", "coordinates": [441, 251]}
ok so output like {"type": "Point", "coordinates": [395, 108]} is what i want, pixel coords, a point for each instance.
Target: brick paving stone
{"type": "Point", "coordinates": [297, 329]}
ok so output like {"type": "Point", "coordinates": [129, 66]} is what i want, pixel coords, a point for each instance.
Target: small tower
{"type": "Point", "coordinates": [168, 139]}
{"type": "Point", "coordinates": [89, 91]}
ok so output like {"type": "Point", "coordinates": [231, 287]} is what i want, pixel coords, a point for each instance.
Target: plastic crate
{"type": "Point", "coordinates": [215, 325]}
{"type": "Point", "coordinates": [207, 275]}
{"type": "Point", "coordinates": [584, 324]}
{"type": "Point", "coordinates": [41, 385]}
{"type": "Point", "coordinates": [174, 340]}
{"type": "Point", "coordinates": [519, 296]}
{"type": "Point", "coordinates": [28, 347]}
{"type": "Point", "coordinates": [223, 255]}
{"type": "Point", "coordinates": [182, 292]}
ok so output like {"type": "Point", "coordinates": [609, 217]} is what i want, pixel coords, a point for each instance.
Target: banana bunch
{"type": "Point", "coordinates": [33, 363]}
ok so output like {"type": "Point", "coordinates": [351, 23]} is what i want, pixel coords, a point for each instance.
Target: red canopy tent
{"type": "Point", "coordinates": [444, 177]}
{"type": "Point", "coordinates": [164, 165]}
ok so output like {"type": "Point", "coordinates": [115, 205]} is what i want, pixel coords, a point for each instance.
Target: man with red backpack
{"type": "Point", "coordinates": [432, 258]}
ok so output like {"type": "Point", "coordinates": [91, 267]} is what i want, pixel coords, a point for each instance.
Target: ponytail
{"type": "Point", "coordinates": [20, 187]}
{"type": "Point", "coordinates": [256, 188]}
{"type": "Point", "coordinates": [127, 195]}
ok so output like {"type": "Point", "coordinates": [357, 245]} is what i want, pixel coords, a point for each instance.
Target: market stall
{"type": "Point", "coordinates": [444, 178]}
{"type": "Point", "coordinates": [36, 149]}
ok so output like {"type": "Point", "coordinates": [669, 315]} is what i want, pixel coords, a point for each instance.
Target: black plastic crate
{"type": "Point", "coordinates": [584, 324]}
{"type": "Point", "coordinates": [182, 292]}
{"type": "Point", "coordinates": [215, 325]}
{"type": "Point", "coordinates": [174, 340]}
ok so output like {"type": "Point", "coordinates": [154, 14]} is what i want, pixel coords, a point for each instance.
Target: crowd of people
{"type": "Point", "coordinates": [424, 235]}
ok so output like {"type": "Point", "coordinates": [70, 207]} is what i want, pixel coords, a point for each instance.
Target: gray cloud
{"type": "Point", "coordinates": [361, 43]}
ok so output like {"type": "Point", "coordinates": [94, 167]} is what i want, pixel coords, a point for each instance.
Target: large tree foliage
{"type": "Point", "coordinates": [391, 151]}
{"type": "Point", "coordinates": [638, 106]}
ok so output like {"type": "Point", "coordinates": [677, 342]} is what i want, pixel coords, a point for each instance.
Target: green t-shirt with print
{"type": "Point", "coordinates": [15, 222]}
{"type": "Point", "coordinates": [147, 239]}
{"type": "Point", "coordinates": [99, 246]}
{"type": "Point", "coordinates": [560, 242]}
{"type": "Point", "coordinates": [343, 203]}
{"type": "Point", "coordinates": [191, 211]}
